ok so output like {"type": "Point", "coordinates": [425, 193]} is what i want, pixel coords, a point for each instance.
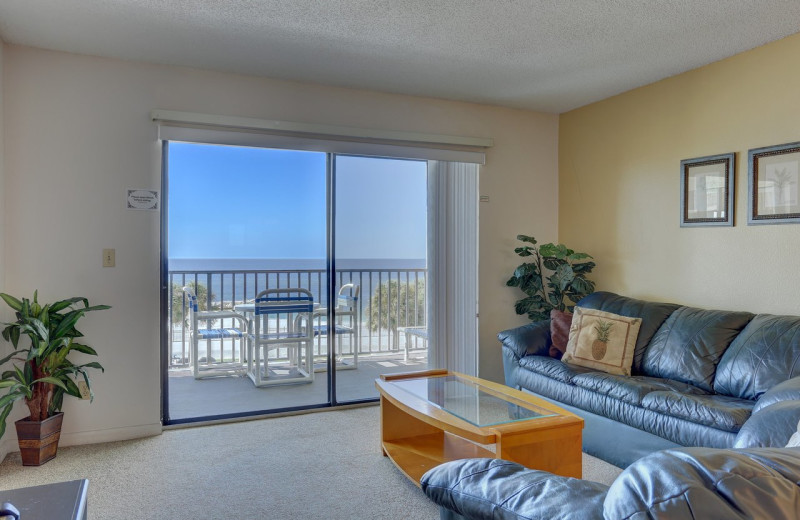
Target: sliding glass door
{"type": "Point", "coordinates": [380, 224]}
{"type": "Point", "coordinates": [241, 221]}
{"type": "Point", "coordinates": [340, 240]}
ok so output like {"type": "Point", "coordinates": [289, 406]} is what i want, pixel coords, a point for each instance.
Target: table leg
{"type": "Point", "coordinates": [557, 450]}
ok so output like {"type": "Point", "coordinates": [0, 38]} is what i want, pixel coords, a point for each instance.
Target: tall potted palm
{"type": "Point", "coordinates": [45, 374]}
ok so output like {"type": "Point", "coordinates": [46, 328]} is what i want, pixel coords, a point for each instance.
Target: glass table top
{"type": "Point", "coordinates": [471, 401]}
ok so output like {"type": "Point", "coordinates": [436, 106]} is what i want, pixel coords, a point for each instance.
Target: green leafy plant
{"type": "Point", "coordinates": [46, 374]}
{"type": "Point", "coordinates": [561, 289]}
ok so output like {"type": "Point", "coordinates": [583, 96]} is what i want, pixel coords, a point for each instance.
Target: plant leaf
{"type": "Point", "coordinates": [582, 287]}
{"type": "Point", "coordinates": [93, 364]}
{"type": "Point", "coordinates": [11, 397]}
{"type": "Point", "coordinates": [3, 416]}
{"type": "Point", "coordinates": [8, 357]}
{"type": "Point", "coordinates": [51, 380]}
{"type": "Point", "coordinates": [583, 267]}
{"type": "Point", "coordinates": [96, 308]}
{"type": "Point", "coordinates": [11, 301]}
{"type": "Point", "coordinates": [564, 275]}
{"type": "Point", "coordinates": [25, 376]}
{"type": "Point", "coordinates": [68, 323]}
{"type": "Point", "coordinates": [86, 349]}
{"type": "Point", "coordinates": [63, 304]}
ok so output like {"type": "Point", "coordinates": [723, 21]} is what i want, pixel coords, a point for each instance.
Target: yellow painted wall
{"type": "Point", "coordinates": [619, 184]}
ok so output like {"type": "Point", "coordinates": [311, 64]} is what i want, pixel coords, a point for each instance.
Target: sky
{"type": "Point", "coordinates": [240, 202]}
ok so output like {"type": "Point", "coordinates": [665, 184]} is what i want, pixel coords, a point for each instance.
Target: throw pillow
{"type": "Point", "coordinates": [560, 322]}
{"type": "Point", "coordinates": [794, 440]}
{"type": "Point", "coordinates": [602, 340]}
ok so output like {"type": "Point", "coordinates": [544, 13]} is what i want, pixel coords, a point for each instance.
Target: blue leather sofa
{"type": "Point", "coordinates": [718, 391]}
{"type": "Point", "coordinates": [715, 379]}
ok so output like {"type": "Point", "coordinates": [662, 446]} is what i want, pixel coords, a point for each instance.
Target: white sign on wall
{"type": "Point", "coordinates": [143, 199]}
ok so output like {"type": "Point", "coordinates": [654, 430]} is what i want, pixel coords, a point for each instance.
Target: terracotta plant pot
{"type": "Point", "coordinates": [38, 440]}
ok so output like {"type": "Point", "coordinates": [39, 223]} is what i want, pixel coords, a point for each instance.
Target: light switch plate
{"type": "Point", "coordinates": [109, 257]}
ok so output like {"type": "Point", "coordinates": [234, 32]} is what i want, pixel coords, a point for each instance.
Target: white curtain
{"type": "Point", "coordinates": [453, 266]}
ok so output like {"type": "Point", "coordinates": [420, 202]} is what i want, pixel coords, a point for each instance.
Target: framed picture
{"type": "Point", "coordinates": [707, 190]}
{"type": "Point", "coordinates": [773, 185]}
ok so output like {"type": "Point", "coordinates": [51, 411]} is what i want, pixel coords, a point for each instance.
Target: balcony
{"type": "Point", "coordinates": [392, 300]}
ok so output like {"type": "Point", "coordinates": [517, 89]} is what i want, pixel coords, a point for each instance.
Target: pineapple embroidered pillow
{"type": "Point", "coordinates": [602, 340]}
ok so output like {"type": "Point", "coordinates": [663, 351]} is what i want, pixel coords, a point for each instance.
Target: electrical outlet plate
{"type": "Point", "coordinates": [84, 390]}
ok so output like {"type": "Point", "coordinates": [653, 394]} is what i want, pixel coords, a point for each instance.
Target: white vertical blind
{"type": "Point", "coordinates": [453, 266]}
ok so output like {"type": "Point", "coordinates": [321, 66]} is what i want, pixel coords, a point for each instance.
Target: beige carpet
{"type": "Point", "coordinates": [319, 465]}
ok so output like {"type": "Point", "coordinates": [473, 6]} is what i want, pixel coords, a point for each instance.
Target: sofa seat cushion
{"type": "Point", "coordinates": [717, 411]}
{"type": "Point", "coordinates": [690, 344]}
{"type": "Point", "coordinates": [553, 368]}
{"type": "Point", "coordinates": [674, 429]}
{"type": "Point", "coordinates": [630, 389]}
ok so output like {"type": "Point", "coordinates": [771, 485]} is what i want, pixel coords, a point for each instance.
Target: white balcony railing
{"type": "Point", "coordinates": [390, 299]}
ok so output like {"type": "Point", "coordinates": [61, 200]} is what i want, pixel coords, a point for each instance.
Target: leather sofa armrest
{"type": "Point", "coordinates": [527, 340]}
{"type": "Point", "coordinates": [532, 339]}
{"type": "Point", "coordinates": [498, 489]}
{"type": "Point", "coordinates": [770, 427]}
{"type": "Point", "coordinates": [788, 390]}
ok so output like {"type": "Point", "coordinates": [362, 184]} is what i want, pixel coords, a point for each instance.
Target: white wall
{"type": "Point", "coordinates": [78, 134]}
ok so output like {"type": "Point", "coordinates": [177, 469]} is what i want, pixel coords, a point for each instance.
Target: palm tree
{"type": "Point", "coordinates": [397, 305]}
{"type": "Point", "coordinates": [200, 290]}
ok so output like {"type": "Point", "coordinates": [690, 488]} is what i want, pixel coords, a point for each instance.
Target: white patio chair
{"type": "Point", "coordinates": [348, 321]}
{"type": "Point", "coordinates": [414, 336]}
{"type": "Point", "coordinates": [210, 366]}
{"type": "Point", "coordinates": [282, 320]}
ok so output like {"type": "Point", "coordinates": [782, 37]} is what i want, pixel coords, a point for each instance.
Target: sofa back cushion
{"type": "Point", "coordinates": [766, 353]}
{"type": "Point", "coordinates": [689, 345]}
{"type": "Point", "coordinates": [652, 315]}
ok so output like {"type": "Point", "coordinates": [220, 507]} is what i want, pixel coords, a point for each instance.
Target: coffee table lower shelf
{"type": "Point", "coordinates": [416, 455]}
{"type": "Point", "coordinates": [417, 435]}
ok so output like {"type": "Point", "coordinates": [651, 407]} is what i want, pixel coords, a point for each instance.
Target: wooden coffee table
{"type": "Point", "coordinates": [432, 417]}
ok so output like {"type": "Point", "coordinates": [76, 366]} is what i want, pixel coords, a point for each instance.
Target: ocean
{"type": "Point", "coordinates": [292, 264]}
{"type": "Point", "coordinates": [239, 279]}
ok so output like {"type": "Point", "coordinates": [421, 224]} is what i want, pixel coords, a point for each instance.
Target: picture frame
{"type": "Point", "coordinates": [707, 190]}
{"type": "Point", "coordinates": [773, 185]}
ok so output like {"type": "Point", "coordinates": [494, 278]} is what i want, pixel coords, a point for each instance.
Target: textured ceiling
{"type": "Point", "coordinates": [550, 56]}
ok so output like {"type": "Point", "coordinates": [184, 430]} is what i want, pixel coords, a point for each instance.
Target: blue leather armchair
{"type": "Point", "coordinates": [686, 483]}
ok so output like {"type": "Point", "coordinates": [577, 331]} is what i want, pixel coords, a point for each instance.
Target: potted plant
{"type": "Point", "coordinates": [45, 374]}
{"type": "Point", "coordinates": [565, 285]}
